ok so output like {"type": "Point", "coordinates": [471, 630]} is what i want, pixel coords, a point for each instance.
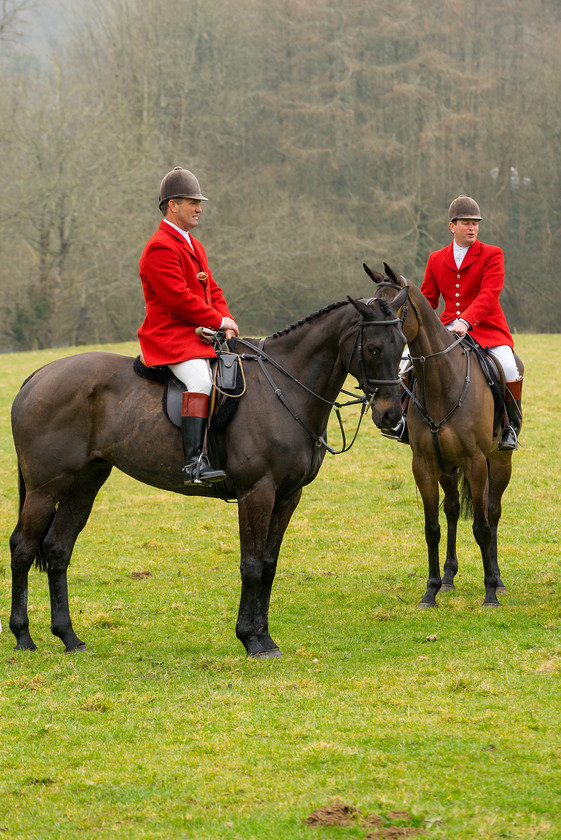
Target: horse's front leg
{"type": "Point", "coordinates": [280, 518]}
{"type": "Point", "coordinates": [452, 511]}
{"type": "Point", "coordinates": [254, 514]}
{"type": "Point", "coordinates": [478, 478]}
{"type": "Point", "coordinates": [428, 488]}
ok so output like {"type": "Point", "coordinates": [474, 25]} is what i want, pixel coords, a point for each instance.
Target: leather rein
{"type": "Point", "coordinates": [368, 385]}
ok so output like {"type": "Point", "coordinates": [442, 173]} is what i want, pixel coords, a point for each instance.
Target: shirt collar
{"type": "Point", "coordinates": [459, 253]}
{"type": "Point", "coordinates": [184, 233]}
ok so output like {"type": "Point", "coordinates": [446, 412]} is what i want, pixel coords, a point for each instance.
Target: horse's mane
{"type": "Point", "coordinates": [384, 305]}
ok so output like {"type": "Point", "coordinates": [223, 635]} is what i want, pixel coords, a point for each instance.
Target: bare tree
{"type": "Point", "coordinates": [10, 18]}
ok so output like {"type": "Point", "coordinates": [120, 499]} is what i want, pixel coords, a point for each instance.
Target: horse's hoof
{"type": "Point", "coordinates": [501, 590]}
{"type": "Point", "coordinates": [76, 648]}
{"type": "Point", "coordinates": [491, 604]}
{"type": "Point", "coordinates": [28, 646]}
{"type": "Point", "coordinates": [447, 587]}
{"type": "Point", "coordinates": [266, 654]}
{"type": "Point", "coordinates": [424, 606]}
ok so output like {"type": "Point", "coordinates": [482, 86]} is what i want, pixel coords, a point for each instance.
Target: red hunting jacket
{"type": "Point", "coordinates": [471, 292]}
{"type": "Point", "coordinates": [177, 299]}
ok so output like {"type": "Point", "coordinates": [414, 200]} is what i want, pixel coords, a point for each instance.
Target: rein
{"type": "Point", "coordinates": [422, 407]}
{"type": "Point", "coordinates": [259, 355]}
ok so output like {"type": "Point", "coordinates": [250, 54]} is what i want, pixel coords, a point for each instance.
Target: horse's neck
{"type": "Point", "coordinates": [429, 339]}
{"type": "Point", "coordinates": [310, 352]}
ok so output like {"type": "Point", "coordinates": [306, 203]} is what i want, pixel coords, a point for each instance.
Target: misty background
{"type": "Point", "coordinates": [324, 134]}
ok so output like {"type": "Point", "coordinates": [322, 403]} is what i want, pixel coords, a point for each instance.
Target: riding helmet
{"type": "Point", "coordinates": [180, 183]}
{"type": "Point", "coordinates": [464, 207]}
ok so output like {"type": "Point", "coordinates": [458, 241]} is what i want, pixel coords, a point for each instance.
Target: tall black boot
{"type": "Point", "coordinates": [193, 426]}
{"type": "Point", "coordinates": [513, 405]}
{"type": "Point", "coordinates": [399, 432]}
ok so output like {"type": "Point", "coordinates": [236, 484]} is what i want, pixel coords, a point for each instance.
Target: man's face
{"type": "Point", "coordinates": [465, 231]}
{"type": "Point", "coordinates": [184, 212]}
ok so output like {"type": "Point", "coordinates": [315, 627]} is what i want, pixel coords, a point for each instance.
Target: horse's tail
{"type": "Point", "coordinates": [466, 499]}
{"type": "Point", "coordinates": [40, 557]}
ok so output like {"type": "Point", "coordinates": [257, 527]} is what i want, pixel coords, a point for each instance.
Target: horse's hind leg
{"type": "Point", "coordinates": [500, 470]}
{"type": "Point", "coordinates": [479, 482]}
{"type": "Point", "coordinates": [35, 514]}
{"type": "Point", "coordinates": [279, 522]}
{"type": "Point", "coordinates": [452, 512]}
{"type": "Point", "coordinates": [71, 516]}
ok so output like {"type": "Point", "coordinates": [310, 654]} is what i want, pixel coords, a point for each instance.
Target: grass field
{"type": "Point", "coordinates": [381, 719]}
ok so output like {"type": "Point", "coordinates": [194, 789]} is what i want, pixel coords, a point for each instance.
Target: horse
{"type": "Point", "coordinates": [453, 433]}
{"type": "Point", "coordinates": [76, 418]}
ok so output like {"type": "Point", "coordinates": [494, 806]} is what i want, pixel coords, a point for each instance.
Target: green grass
{"type": "Point", "coordinates": [163, 729]}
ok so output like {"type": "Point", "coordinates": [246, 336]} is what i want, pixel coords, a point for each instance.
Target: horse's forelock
{"type": "Point", "coordinates": [385, 307]}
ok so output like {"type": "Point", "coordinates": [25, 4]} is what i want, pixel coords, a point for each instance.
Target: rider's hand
{"type": "Point", "coordinates": [229, 326]}
{"type": "Point", "coordinates": [458, 326]}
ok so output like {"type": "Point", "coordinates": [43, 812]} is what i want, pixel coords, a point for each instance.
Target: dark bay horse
{"type": "Point", "coordinates": [77, 418]}
{"type": "Point", "coordinates": [453, 436]}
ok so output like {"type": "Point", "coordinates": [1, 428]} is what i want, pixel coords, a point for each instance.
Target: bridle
{"type": "Point", "coordinates": [422, 406]}
{"type": "Point", "coordinates": [368, 385]}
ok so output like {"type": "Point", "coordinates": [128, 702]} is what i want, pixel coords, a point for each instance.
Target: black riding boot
{"type": "Point", "coordinates": [399, 432]}
{"type": "Point", "coordinates": [193, 426]}
{"type": "Point", "coordinates": [513, 405]}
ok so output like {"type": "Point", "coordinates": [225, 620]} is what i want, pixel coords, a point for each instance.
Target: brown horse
{"type": "Point", "coordinates": [77, 418]}
{"type": "Point", "coordinates": [453, 433]}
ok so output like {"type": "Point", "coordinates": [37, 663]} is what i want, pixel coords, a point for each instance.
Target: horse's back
{"type": "Point", "coordinates": [53, 412]}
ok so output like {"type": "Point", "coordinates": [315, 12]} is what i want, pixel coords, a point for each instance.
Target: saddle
{"type": "Point", "coordinates": [492, 371]}
{"type": "Point", "coordinates": [494, 374]}
{"type": "Point", "coordinates": [227, 376]}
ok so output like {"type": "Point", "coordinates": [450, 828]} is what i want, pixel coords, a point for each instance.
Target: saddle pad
{"type": "Point", "coordinates": [174, 388]}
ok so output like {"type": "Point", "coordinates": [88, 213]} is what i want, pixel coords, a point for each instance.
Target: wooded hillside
{"type": "Point", "coordinates": [325, 135]}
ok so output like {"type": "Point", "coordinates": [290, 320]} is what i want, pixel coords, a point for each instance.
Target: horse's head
{"type": "Point", "coordinates": [390, 285]}
{"type": "Point", "coordinates": [376, 354]}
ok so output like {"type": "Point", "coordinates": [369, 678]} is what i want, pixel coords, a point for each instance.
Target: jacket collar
{"type": "Point", "coordinates": [179, 236]}
{"type": "Point", "coordinates": [470, 257]}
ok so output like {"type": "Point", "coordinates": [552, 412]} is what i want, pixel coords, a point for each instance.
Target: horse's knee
{"type": "Point", "coordinates": [482, 532]}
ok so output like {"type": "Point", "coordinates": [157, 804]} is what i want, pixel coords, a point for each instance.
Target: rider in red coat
{"type": "Point", "coordinates": [181, 295]}
{"type": "Point", "coordinates": [469, 275]}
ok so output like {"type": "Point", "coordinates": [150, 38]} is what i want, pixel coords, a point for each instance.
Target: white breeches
{"type": "Point", "coordinates": [195, 375]}
{"type": "Point", "coordinates": [508, 363]}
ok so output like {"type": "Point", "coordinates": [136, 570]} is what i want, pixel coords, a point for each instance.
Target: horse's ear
{"type": "Point", "coordinates": [361, 307]}
{"type": "Point", "coordinates": [400, 298]}
{"type": "Point", "coordinates": [392, 275]}
{"type": "Point", "coordinates": [375, 276]}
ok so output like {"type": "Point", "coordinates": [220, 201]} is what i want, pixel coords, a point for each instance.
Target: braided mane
{"type": "Point", "coordinates": [308, 318]}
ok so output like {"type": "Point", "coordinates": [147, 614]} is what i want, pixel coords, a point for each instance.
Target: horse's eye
{"type": "Point", "coordinates": [374, 351]}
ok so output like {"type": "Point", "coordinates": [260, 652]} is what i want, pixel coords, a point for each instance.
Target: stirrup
{"type": "Point", "coordinates": [509, 440]}
{"type": "Point", "coordinates": [200, 472]}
